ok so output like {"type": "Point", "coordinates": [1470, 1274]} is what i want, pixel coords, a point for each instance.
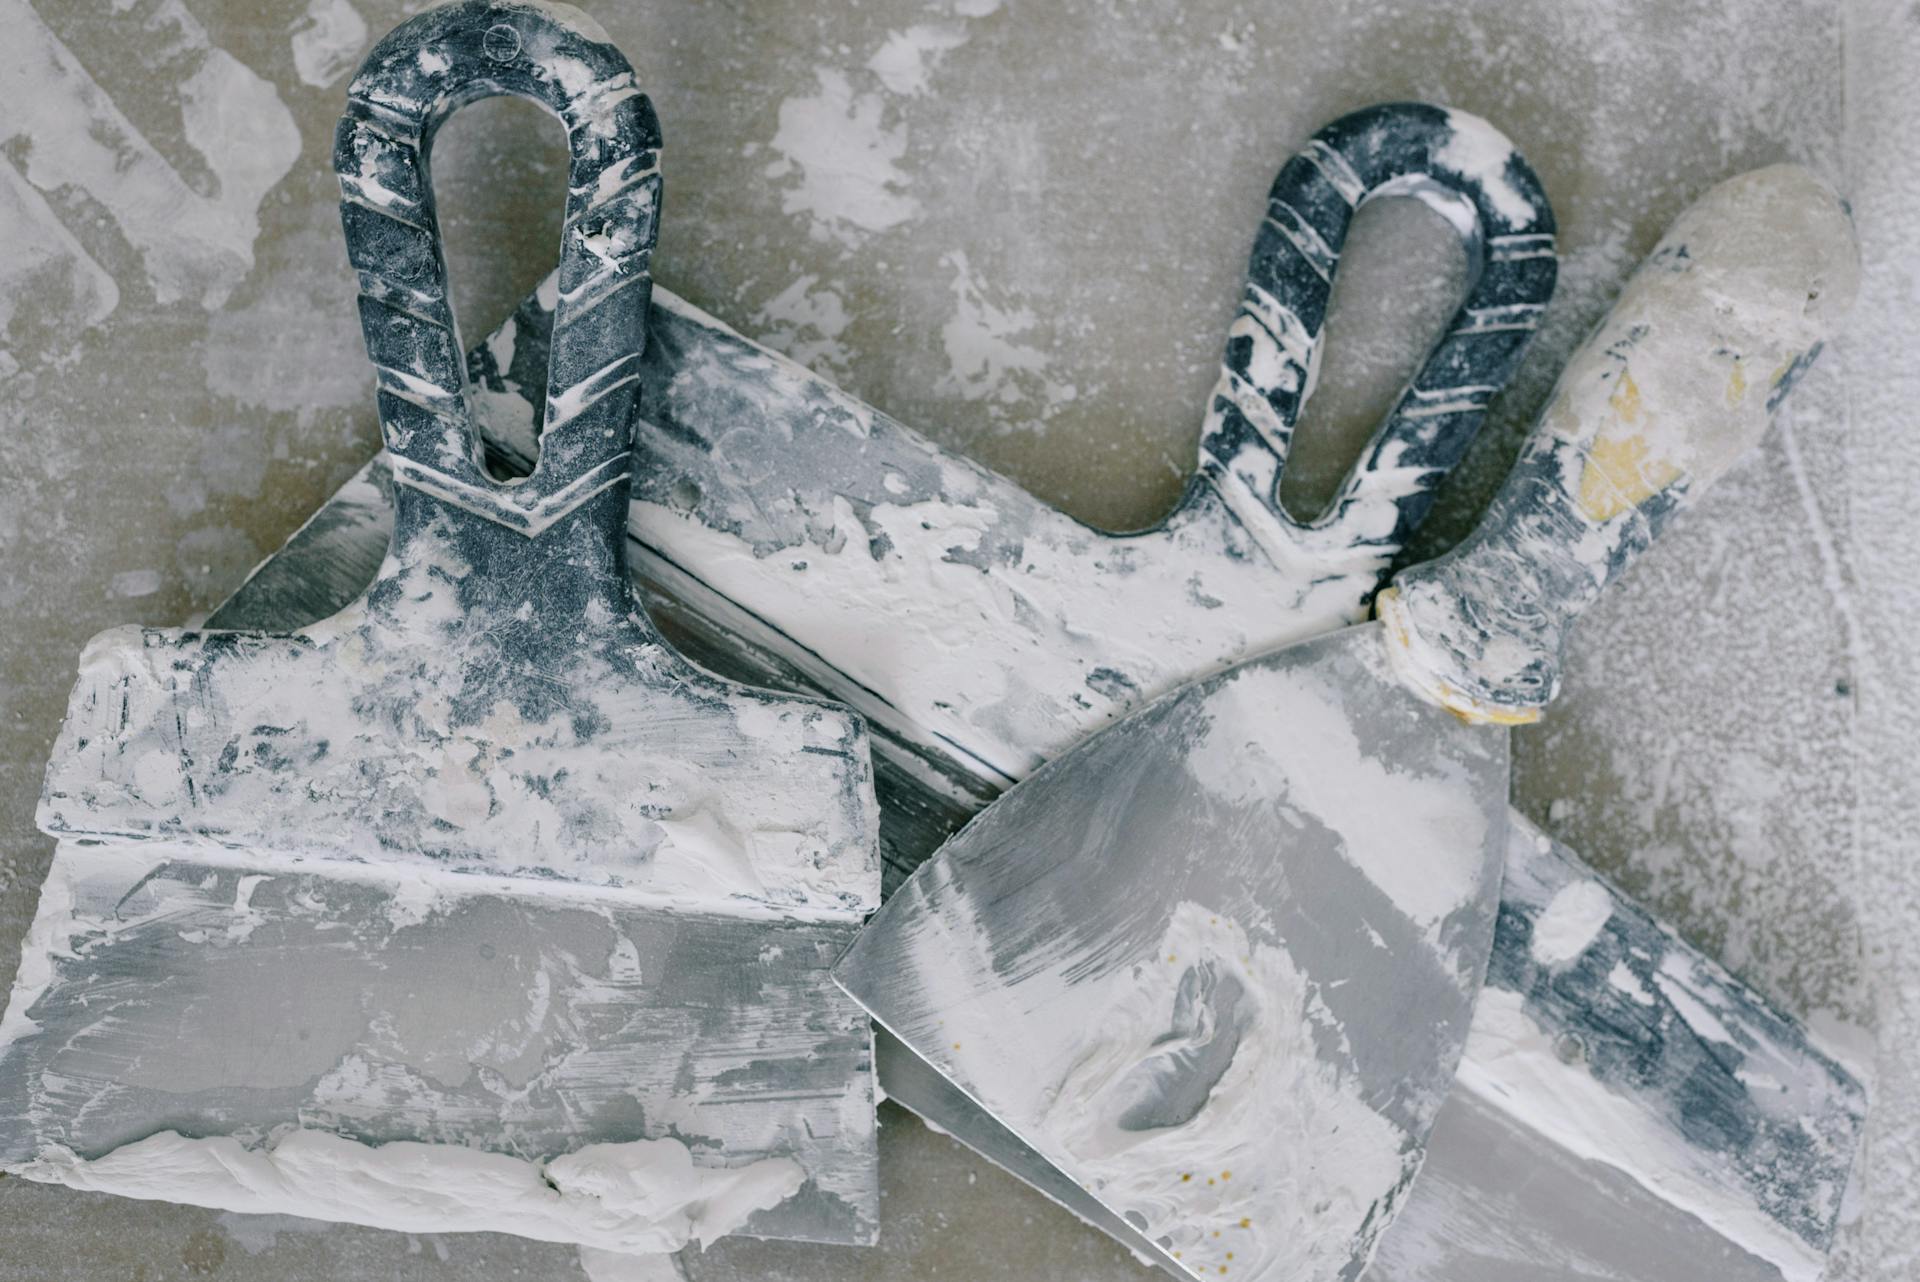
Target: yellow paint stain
{"type": "Point", "coordinates": [1622, 470]}
{"type": "Point", "coordinates": [1185, 1176]}
{"type": "Point", "coordinates": [1226, 1175]}
{"type": "Point", "coordinates": [1622, 473]}
{"type": "Point", "coordinates": [956, 1046]}
{"type": "Point", "coordinates": [1736, 384]}
{"type": "Point", "coordinates": [1475, 713]}
{"type": "Point", "coordinates": [1626, 399]}
{"type": "Point", "coordinates": [1170, 957]}
{"type": "Point", "coordinates": [1246, 1223]}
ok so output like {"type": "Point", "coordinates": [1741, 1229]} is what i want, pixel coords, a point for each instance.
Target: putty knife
{"type": "Point", "coordinates": [474, 906]}
{"type": "Point", "coordinates": [1626, 1110]}
{"type": "Point", "coordinates": [706, 383]}
{"type": "Point", "coordinates": [1217, 964]}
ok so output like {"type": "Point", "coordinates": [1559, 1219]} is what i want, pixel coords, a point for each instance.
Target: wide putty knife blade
{"type": "Point", "coordinates": [474, 905]}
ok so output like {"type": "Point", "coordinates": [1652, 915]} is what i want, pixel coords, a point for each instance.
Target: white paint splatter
{"type": "Point", "coordinates": [1479, 151]}
{"type": "Point", "coordinates": [194, 246]}
{"type": "Point", "coordinates": [805, 323]}
{"type": "Point", "coordinates": [613, 1266]}
{"type": "Point", "coordinates": [907, 59]}
{"type": "Point", "coordinates": [1622, 979]}
{"type": "Point", "coordinates": [40, 260]}
{"type": "Point", "coordinates": [132, 583]}
{"type": "Point", "coordinates": [1571, 922]}
{"type": "Point", "coordinates": [985, 361]}
{"type": "Point", "coordinates": [1679, 983]}
{"type": "Point", "coordinates": [327, 41]}
{"type": "Point", "coordinates": [845, 162]}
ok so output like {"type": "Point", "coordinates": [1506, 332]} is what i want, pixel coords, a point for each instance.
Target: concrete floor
{"type": "Point", "coordinates": [1020, 230]}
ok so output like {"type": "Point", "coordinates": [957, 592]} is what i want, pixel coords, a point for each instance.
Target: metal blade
{"type": "Point", "coordinates": [1217, 964]}
{"type": "Point", "coordinates": [162, 991]}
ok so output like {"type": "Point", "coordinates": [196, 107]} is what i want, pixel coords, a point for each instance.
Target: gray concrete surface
{"type": "Point", "coordinates": [982, 217]}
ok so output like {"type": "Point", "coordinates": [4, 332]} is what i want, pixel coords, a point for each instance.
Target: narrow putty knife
{"type": "Point", "coordinates": [1217, 964]}
{"type": "Point", "coordinates": [475, 906]}
{"type": "Point", "coordinates": [1608, 1061]}
{"type": "Point", "coordinates": [762, 521]}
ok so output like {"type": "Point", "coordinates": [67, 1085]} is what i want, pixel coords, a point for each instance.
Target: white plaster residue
{"type": "Point", "coordinates": [843, 160]}
{"type": "Point", "coordinates": [1570, 923]}
{"type": "Point", "coordinates": [637, 1196]}
{"type": "Point", "coordinates": [805, 323]}
{"type": "Point", "coordinates": [135, 583]}
{"type": "Point", "coordinates": [992, 661]}
{"type": "Point", "coordinates": [327, 41]}
{"type": "Point", "coordinates": [1062, 1060]}
{"type": "Point", "coordinates": [665, 799]}
{"type": "Point", "coordinates": [194, 246]}
{"type": "Point", "coordinates": [42, 262]}
{"type": "Point", "coordinates": [990, 658]}
{"type": "Point", "coordinates": [985, 361]}
{"type": "Point", "coordinates": [1479, 151]}
{"type": "Point", "coordinates": [1420, 838]}
{"type": "Point", "coordinates": [1622, 979]}
{"type": "Point", "coordinates": [1515, 1066]}
{"type": "Point", "coordinates": [908, 57]}
{"type": "Point", "coordinates": [1679, 984]}
{"type": "Point", "coordinates": [612, 1266]}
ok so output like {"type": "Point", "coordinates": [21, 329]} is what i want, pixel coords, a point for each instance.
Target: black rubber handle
{"type": "Point", "coordinates": [412, 81]}
{"type": "Point", "coordinates": [1470, 173]}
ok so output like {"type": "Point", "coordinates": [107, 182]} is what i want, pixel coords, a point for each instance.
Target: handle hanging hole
{"type": "Point", "coordinates": [500, 188]}
{"type": "Point", "coordinates": [1403, 272]}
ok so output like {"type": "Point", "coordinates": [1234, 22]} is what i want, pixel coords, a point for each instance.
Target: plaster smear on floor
{"type": "Point", "coordinates": [638, 1196]}
{"type": "Point", "coordinates": [194, 245]}
{"type": "Point", "coordinates": [844, 160]}
{"type": "Point", "coordinates": [327, 41]}
{"type": "Point", "coordinates": [611, 1266]}
{"type": "Point", "coordinates": [986, 361]}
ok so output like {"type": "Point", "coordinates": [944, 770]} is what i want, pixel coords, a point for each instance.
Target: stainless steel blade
{"type": "Point", "coordinates": [168, 992]}
{"type": "Point", "coordinates": [1217, 964]}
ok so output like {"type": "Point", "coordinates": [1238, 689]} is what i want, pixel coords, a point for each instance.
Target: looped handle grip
{"type": "Point", "coordinates": [1682, 377]}
{"type": "Point", "coordinates": [1470, 173]}
{"type": "Point", "coordinates": [416, 77]}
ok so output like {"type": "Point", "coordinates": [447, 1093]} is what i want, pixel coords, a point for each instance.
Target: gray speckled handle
{"type": "Point", "coordinates": [1680, 379]}
{"type": "Point", "coordinates": [412, 81]}
{"type": "Point", "coordinates": [1470, 173]}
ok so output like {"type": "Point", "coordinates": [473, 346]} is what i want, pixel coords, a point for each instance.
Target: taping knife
{"type": "Point", "coordinates": [1217, 963]}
